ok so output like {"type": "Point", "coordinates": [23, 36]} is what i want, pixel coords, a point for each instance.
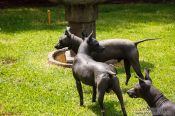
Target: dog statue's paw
{"type": "Point", "coordinates": [81, 103]}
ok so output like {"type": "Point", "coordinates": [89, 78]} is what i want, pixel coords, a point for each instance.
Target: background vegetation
{"type": "Point", "coordinates": [30, 86]}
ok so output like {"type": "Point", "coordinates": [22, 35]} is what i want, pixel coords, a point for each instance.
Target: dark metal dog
{"type": "Point", "coordinates": [157, 102]}
{"type": "Point", "coordinates": [102, 77]}
{"type": "Point", "coordinates": [121, 49]}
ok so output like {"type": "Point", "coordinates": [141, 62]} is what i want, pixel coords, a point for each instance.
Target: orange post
{"type": "Point", "coordinates": [49, 16]}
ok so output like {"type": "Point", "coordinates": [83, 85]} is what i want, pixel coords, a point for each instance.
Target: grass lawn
{"type": "Point", "coordinates": [30, 86]}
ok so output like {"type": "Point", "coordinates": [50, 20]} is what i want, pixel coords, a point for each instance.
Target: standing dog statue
{"type": "Point", "coordinates": [114, 49]}
{"type": "Point", "coordinates": [158, 103]}
{"type": "Point", "coordinates": [101, 76]}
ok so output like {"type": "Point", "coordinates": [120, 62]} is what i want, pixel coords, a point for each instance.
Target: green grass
{"type": "Point", "coordinates": [30, 86]}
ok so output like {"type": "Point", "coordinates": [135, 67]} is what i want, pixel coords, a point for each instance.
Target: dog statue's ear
{"type": "Point", "coordinates": [144, 85]}
{"type": "Point", "coordinates": [68, 28]}
{"type": "Point", "coordinates": [90, 37]}
{"type": "Point", "coordinates": [141, 80]}
{"type": "Point", "coordinates": [147, 77]}
{"type": "Point", "coordinates": [67, 32]}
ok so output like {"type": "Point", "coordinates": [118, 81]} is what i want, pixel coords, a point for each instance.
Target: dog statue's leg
{"type": "Point", "coordinates": [136, 66]}
{"type": "Point", "coordinates": [80, 91]}
{"type": "Point", "coordinates": [127, 70]}
{"type": "Point", "coordinates": [101, 94]}
{"type": "Point", "coordinates": [118, 92]}
{"type": "Point", "coordinates": [101, 89]}
{"type": "Point", "coordinates": [94, 94]}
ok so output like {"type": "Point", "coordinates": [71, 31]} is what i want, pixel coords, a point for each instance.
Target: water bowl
{"type": "Point", "coordinates": [61, 57]}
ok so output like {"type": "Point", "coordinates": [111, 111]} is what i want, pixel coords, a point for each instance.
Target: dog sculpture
{"type": "Point", "coordinates": [120, 49]}
{"type": "Point", "coordinates": [101, 76]}
{"type": "Point", "coordinates": [158, 103]}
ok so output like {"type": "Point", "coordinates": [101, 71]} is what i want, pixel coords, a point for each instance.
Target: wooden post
{"type": "Point", "coordinates": [49, 16]}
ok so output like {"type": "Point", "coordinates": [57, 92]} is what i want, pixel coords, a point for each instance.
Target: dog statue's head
{"type": "Point", "coordinates": [141, 88]}
{"type": "Point", "coordinates": [92, 44]}
{"type": "Point", "coordinates": [64, 40]}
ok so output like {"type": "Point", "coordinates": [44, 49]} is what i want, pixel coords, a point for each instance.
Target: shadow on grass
{"type": "Point", "coordinates": [31, 18]}
{"type": "Point", "coordinates": [109, 108]}
{"type": "Point", "coordinates": [129, 16]}
{"type": "Point", "coordinates": [121, 17]}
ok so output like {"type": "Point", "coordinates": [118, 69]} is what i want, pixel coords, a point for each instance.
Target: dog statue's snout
{"type": "Point", "coordinates": [56, 47]}
{"type": "Point", "coordinates": [128, 93]}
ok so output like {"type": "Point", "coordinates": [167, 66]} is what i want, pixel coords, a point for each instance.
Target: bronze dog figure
{"type": "Point", "coordinates": [158, 103]}
{"type": "Point", "coordinates": [115, 49]}
{"type": "Point", "coordinates": [101, 76]}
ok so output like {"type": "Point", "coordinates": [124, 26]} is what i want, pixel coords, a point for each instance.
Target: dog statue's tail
{"type": "Point", "coordinates": [111, 73]}
{"type": "Point", "coordinates": [140, 41]}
